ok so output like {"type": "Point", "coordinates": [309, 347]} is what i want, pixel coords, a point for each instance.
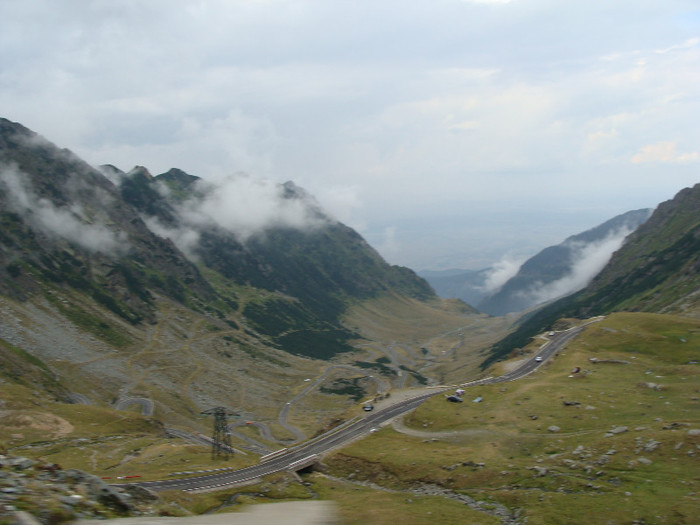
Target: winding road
{"type": "Point", "coordinates": [299, 436]}
{"type": "Point", "coordinates": [145, 403]}
{"type": "Point", "coordinates": [308, 453]}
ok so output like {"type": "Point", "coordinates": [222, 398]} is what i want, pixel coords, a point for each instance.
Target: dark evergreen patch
{"type": "Point", "coordinates": [381, 367]}
{"type": "Point", "coordinates": [345, 387]}
{"type": "Point", "coordinates": [324, 344]}
{"type": "Point", "coordinates": [416, 375]}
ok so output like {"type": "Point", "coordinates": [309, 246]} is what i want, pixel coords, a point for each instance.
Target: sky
{"type": "Point", "coordinates": [449, 133]}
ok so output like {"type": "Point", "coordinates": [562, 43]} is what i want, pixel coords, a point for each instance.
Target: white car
{"type": "Point", "coordinates": [539, 358]}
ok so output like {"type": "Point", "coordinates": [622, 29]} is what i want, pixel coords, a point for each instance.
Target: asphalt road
{"type": "Point", "coordinates": [145, 404]}
{"type": "Point", "coordinates": [307, 453]}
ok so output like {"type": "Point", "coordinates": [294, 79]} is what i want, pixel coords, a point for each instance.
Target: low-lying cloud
{"type": "Point", "coordinates": [70, 223]}
{"type": "Point", "coordinates": [500, 273]}
{"type": "Point", "coordinates": [587, 260]}
{"type": "Point", "coordinates": [246, 205]}
{"type": "Point", "coordinates": [242, 205]}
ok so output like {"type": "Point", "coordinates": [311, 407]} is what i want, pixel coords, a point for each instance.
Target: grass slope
{"type": "Point", "coordinates": [625, 448]}
{"type": "Point", "coordinates": [506, 449]}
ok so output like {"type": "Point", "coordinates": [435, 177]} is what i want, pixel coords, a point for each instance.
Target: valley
{"type": "Point", "coordinates": [131, 306]}
{"type": "Point", "coordinates": [172, 373]}
{"type": "Point", "coordinates": [300, 457]}
{"type": "Point", "coordinates": [616, 442]}
{"type": "Point", "coordinates": [579, 443]}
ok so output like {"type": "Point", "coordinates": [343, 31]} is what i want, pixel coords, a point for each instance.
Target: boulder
{"type": "Point", "coordinates": [139, 494]}
{"type": "Point", "coordinates": [20, 463]}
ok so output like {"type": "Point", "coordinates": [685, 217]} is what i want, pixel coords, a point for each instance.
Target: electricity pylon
{"type": "Point", "coordinates": [221, 438]}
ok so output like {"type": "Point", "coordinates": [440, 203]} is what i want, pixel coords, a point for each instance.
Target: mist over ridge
{"type": "Point", "coordinates": [513, 285]}
{"type": "Point", "coordinates": [240, 204]}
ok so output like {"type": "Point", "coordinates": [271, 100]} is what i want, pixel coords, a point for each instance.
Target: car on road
{"type": "Point", "coordinates": [539, 358]}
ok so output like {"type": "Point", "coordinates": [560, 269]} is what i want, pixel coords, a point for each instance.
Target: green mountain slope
{"type": "Point", "coordinates": [614, 443]}
{"type": "Point", "coordinates": [65, 224]}
{"type": "Point", "coordinates": [121, 291]}
{"type": "Point", "coordinates": [555, 263]}
{"type": "Point", "coordinates": [318, 269]}
{"type": "Point", "coordinates": [656, 270]}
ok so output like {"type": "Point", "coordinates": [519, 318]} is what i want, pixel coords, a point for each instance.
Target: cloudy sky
{"type": "Point", "coordinates": [450, 133]}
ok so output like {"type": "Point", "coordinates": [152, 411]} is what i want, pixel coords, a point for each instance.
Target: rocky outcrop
{"type": "Point", "coordinates": [36, 492]}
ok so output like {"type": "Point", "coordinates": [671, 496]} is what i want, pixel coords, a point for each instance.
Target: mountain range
{"type": "Point", "coordinates": [102, 249]}
{"type": "Point", "coordinates": [125, 240]}
{"type": "Point", "coordinates": [132, 304]}
{"type": "Point", "coordinates": [185, 294]}
{"type": "Point", "coordinates": [657, 269]}
{"type": "Point", "coordinates": [554, 272]}
{"type": "Point", "coordinates": [563, 269]}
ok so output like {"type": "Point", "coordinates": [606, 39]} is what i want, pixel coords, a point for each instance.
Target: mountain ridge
{"type": "Point", "coordinates": [554, 271]}
{"type": "Point", "coordinates": [59, 215]}
{"type": "Point", "coordinates": [555, 264]}
{"type": "Point", "coordinates": [656, 270]}
{"type": "Point", "coordinates": [64, 203]}
{"type": "Point", "coordinates": [119, 285]}
{"type": "Point", "coordinates": [106, 354]}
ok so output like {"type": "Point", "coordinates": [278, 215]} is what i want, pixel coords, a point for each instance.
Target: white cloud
{"type": "Point", "coordinates": [410, 104]}
{"type": "Point", "coordinates": [487, 1]}
{"type": "Point", "coordinates": [666, 152]}
{"type": "Point", "coordinates": [342, 202]}
{"type": "Point", "coordinates": [242, 205]}
{"type": "Point", "coordinates": [389, 243]}
{"type": "Point", "coordinates": [186, 237]}
{"type": "Point", "coordinates": [500, 273]}
{"type": "Point", "coordinates": [688, 44]}
{"type": "Point", "coordinates": [74, 224]}
{"type": "Point", "coordinates": [587, 261]}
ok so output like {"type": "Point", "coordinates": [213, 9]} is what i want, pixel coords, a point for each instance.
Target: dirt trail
{"type": "Point", "coordinates": [399, 425]}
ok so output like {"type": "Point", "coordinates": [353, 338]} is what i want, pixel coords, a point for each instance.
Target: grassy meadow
{"type": "Point", "coordinates": [613, 443]}
{"type": "Point", "coordinates": [616, 442]}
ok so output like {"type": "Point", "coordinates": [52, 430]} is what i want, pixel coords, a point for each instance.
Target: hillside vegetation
{"type": "Point", "coordinates": [656, 270]}
{"type": "Point", "coordinates": [556, 264]}
{"type": "Point", "coordinates": [128, 307]}
{"type": "Point", "coordinates": [129, 290]}
{"type": "Point", "coordinates": [617, 442]}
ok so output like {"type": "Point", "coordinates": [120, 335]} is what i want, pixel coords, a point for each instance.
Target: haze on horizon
{"type": "Point", "coordinates": [450, 134]}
